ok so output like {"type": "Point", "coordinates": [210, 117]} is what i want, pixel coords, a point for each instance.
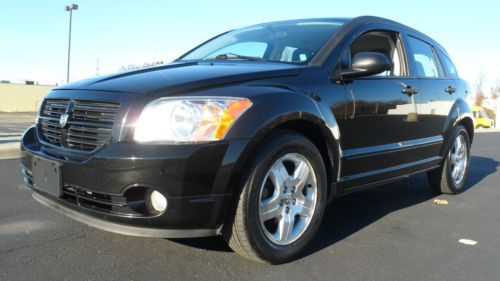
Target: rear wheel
{"type": "Point", "coordinates": [451, 176]}
{"type": "Point", "coordinates": [282, 202]}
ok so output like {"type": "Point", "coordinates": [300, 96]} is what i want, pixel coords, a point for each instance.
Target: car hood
{"type": "Point", "coordinates": [184, 76]}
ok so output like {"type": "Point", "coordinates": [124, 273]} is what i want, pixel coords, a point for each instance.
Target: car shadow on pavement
{"type": "Point", "coordinates": [480, 168]}
{"type": "Point", "coordinates": [351, 213]}
{"type": "Point", "coordinates": [215, 243]}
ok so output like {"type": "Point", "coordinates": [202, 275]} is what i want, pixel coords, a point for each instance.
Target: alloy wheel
{"type": "Point", "coordinates": [288, 199]}
{"type": "Point", "coordinates": [459, 159]}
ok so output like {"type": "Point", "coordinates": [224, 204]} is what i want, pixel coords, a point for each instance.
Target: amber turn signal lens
{"type": "Point", "coordinates": [230, 114]}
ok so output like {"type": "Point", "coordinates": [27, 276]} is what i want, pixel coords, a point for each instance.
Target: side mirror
{"type": "Point", "coordinates": [366, 64]}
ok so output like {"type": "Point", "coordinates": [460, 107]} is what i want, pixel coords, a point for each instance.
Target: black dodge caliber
{"type": "Point", "coordinates": [252, 133]}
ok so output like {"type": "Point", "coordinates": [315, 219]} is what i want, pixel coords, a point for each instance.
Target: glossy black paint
{"type": "Point", "coordinates": [366, 128]}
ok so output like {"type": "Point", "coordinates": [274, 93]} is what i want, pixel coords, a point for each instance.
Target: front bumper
{"type": "Point", "coordinates": [197, 180]}
{"type": "Point", "coordinates": [120, 228]}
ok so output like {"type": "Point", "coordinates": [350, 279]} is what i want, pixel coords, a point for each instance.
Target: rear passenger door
{"type": "Point", "coordinates": [437, 90]}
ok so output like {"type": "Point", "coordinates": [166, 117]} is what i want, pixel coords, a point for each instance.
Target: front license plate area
{"type": "Point", "coordinates": [47, 176]}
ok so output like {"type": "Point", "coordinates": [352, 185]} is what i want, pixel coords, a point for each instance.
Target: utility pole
{"type": "Point", "coordinates": [70, 9]}
{"type": "Point", "coordinates": [97, 68]}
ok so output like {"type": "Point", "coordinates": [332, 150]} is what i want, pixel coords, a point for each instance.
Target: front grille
{"type": "Point", "coordinates": [89, 124]}
{"type": "Point", "coordinates": [95, 111]}
{"type": "Point", "coordinates": [51, 131]}
{"type": "Point", "coordinates": [54, 108]}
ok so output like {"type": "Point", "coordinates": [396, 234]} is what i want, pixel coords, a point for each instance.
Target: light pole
{"type": "Point", "coordinates": [70, 9]}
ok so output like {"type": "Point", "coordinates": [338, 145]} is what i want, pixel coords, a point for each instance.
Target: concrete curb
{"type": "Point", "coordinates": [10, 150]}
{"type": "Point", "coordinates": [487, 130]}
{"type": "Point", "coordinates": [9, 139]}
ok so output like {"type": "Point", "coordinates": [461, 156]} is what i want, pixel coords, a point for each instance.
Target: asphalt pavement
{"type": "Point", "coordinates": [392, 232]}
{"type": "Point", "coordinates": [12, 125]}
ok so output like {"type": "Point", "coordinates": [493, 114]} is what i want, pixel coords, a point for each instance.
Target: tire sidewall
{"type": "Point", "coordinates": [272, 151]}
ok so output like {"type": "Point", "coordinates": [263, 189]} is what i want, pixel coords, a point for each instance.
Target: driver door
{"type": "Point", "coordinates": [381, 119]}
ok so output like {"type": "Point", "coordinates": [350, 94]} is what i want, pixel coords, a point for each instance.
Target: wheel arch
{"type": "Point", "coordinates": [460, 114]}
{"type": "Point", "coordinates": [278, 108]}
{"type": "Point", "coordinates": [323, 141]}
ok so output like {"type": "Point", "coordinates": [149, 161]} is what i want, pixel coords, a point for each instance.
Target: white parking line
{"type": "Point", "coordinates": [468, 242]}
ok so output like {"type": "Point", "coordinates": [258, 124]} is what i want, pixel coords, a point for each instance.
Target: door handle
{"type": "Point", "coordinates": [409, 90]}
{"type": "Point", "coordinates": [450, 90]}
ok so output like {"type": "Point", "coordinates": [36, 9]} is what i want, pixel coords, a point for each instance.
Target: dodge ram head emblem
{"type": "Point", "coordinates": [63, 120]}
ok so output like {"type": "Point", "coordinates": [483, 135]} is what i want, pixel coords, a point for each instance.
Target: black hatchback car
{"type": "Point", "coordinates": [252, 133]}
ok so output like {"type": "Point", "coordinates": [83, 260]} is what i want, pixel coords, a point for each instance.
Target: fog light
{"type": "Point", "coordinates": [158, 201]}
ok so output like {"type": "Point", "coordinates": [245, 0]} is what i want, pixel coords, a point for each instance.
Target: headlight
{"type": "Point", "coordinates": [189, 119]}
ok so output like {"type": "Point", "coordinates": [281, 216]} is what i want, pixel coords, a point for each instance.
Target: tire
{"type": "Point", "coordinates": [248, 230]}
{"type": "Point", "coordinates": [444, 180]}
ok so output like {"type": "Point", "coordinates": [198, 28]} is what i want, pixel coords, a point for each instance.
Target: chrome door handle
{"type": "Point", "coordinates": [450, 90]}
{"type": "Point", "coordinates": [409, 90]}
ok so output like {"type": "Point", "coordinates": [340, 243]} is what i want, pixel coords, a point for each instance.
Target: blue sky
{"type": "Point", "coordinates": [34, 33]}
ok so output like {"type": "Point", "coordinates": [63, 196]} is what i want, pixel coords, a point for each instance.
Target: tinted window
{"type": "Point", "coordinates": [384, 42]}
{"type": "Point", "coordinates": [425, 60]}
{"type": "Point", "coordinates": [292, 54]}
{"type": "Point", "coordinates": [449, 67]}
{"type": "Point", "coordinates": [290, 41]}
{"type": "Point", "coordinates": [252, 49]}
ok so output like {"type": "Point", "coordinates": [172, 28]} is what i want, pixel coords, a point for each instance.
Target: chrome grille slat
{"type": "Point", "coordinates": [48, 130]}
{"type": "Point", "coordinates": [94, 111]}
{"type": "Point", "coordinates": [51, 131]}
{"type": "Point", "coordinates": [86, 116]}
{"type": "Point", "coordinates": [96, 104]}
{"type": "Point", "coordinates": [89, 125]}
{"type": "Point", "coordinates": [94, 130]}
{"type": "Point", "coordinates": [73, 141]}
{"type": "Point", "coordinates": [82, 146]}
{"type": "Point", "coordinates": [76, 135]}
{"type": "Point", "coordinates": [54, 108]}
{"type": "Point", "coordinates": [53, 136]}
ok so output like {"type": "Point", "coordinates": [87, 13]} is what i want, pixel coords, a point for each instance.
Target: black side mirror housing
{"type": "Point", "coordinates": [366, 64]}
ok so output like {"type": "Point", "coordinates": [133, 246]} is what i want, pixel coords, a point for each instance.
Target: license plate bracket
{"type": "Point", "coordinates": [47, 176]}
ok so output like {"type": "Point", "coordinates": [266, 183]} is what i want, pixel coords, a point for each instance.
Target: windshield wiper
{"type": "Point", "coordinates": [231, 56]}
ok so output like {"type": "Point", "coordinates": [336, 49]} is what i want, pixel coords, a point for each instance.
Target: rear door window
{"type": "Point", "coordinates": [449, 67]}
{"type": "Point", "coordinates": [425, 61]}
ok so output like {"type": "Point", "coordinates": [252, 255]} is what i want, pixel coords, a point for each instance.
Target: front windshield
{"type": "Point", "coordinates": [290, 42]}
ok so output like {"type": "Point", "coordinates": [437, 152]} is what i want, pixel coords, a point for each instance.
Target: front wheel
{"type": "Point", "coordinates": [451, 176]}
{"type": "Point", "coordinates": [282, 202]}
